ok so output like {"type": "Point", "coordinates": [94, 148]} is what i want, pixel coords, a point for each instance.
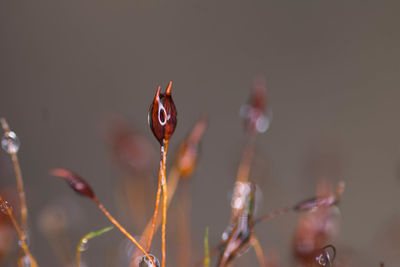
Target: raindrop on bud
{"type": "Point", "coordinates": [10, 142]}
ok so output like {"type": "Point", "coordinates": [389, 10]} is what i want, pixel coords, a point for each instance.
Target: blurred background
{"type": "Point", "coordinates": [71, 72]}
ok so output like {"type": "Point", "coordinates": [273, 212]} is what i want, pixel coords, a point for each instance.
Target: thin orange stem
{"type": "Point", "coordinates": [121, 228]}
{"type": "Point", "coordinates": [164, 149]}
{"type": "Point", "coordinates": [20, 183]}
{"type": "Point", "coordinates": [172, 184]}
{"type": "Point", "coordinates": [153, 223]}
{"type": "Point", "coordinates": [21, 235]}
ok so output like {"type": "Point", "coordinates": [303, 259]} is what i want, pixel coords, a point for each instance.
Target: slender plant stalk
{"type": "Point", "coordinates": [20, 183]}
{"type": "Point", "coordinates": [121, 228]}
{"type": "Point", "coordinates": [183, 225]}
{"type": "Point", "coordinates": [273, 214]}
{"type": "Point", "coordinates": [85, 239]}
{"type": "Point", "coordinates": [164, 149]}
{"type": "Point", "coordinates": [172, 184]}
{"type": "Point", "coordinates": [206, 250]}
{"type": "Point", "coordinates": [245, 163]}
{"type": "Point", "coordinates": [154, 220]}
{"type": "Point", "coordinates": [259, 252]}
{"type": "Point", "coordinates": [21, 235]}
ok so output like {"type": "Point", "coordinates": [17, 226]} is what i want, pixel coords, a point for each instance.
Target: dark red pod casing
{"type": "Point", "coordinates": [75, 181]}
{"type": "Point", "coordinates": [162, 115]}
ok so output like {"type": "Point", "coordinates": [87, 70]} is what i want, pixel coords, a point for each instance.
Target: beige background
{"type": "Point", "coordinates": [332, 70]}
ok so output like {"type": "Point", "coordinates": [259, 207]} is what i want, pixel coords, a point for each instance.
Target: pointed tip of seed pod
{"type": "Point", "coordinates": [157, 97]}
{"type": "Point", "coordinates": [168, 90]}
{"type": "Point", "coordinates": [77, 183]}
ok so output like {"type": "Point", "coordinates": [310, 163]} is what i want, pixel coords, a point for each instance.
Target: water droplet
{"type": "Point", "coordinates": [240, 195]}
{"type": "Point", "coordinates": [10, 142]}
{"type": "Point", "coordinates": [4, 205]}
{"type": "Point", "coordinates": [145, 262]}
{"type": "Point", "coordinates": [84, 245]}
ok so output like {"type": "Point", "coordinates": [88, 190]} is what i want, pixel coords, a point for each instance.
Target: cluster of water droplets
{"type": "Point", "coordinates": [10, 142]}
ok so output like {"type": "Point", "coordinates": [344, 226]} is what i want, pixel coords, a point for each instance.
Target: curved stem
{"type": "Point", "coordinates": [121, 228]}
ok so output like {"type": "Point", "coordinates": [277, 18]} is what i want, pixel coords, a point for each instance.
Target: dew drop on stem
{"type": "Point", "coordinates": [10, 142]}
{"type": "Point", "coordinates": [84, 245]}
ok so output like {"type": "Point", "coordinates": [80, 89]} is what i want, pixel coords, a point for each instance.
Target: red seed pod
{"type": "Point", "coordinates": [162, 115]}
{"type": "Point", "coordinates": [75, 181]}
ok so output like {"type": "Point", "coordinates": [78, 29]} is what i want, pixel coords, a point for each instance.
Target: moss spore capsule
{"type": "Point", "coordinates": [162, 115]}
{"type": "Point", "coordinates": [77, 183]}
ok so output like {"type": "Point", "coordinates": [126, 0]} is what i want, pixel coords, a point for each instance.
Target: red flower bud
{"type": "Point", "coordinates": [75, 181]}
{"type": "Point", "coordinates": [162, 115]}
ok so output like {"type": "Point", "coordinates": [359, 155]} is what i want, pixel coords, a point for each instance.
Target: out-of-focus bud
{"type": "Point", "coordinates": [188, 151]}
{"type": "Point", "coordinates": [75, 181]}
{"type": "Point", "coordinates": [130, 150]}
{"type": "Point", "coordinates": [257, 117]}
{"type": "Point", "coordinates": [318, 225]}
{"type": "Point", "coordinates": [162, 115]}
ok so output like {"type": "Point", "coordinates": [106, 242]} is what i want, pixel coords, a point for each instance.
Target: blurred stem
{"type": "Point", "coordinates": [21, 235]}
{"type": "Point", "coordinates": [184, 227]}
{"type": "Point", "coordinates": [245, 162]}
{"type": "Point", "coordinates": [259, 252]}
{"type": "Point", "coordinates": [206, 250]}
